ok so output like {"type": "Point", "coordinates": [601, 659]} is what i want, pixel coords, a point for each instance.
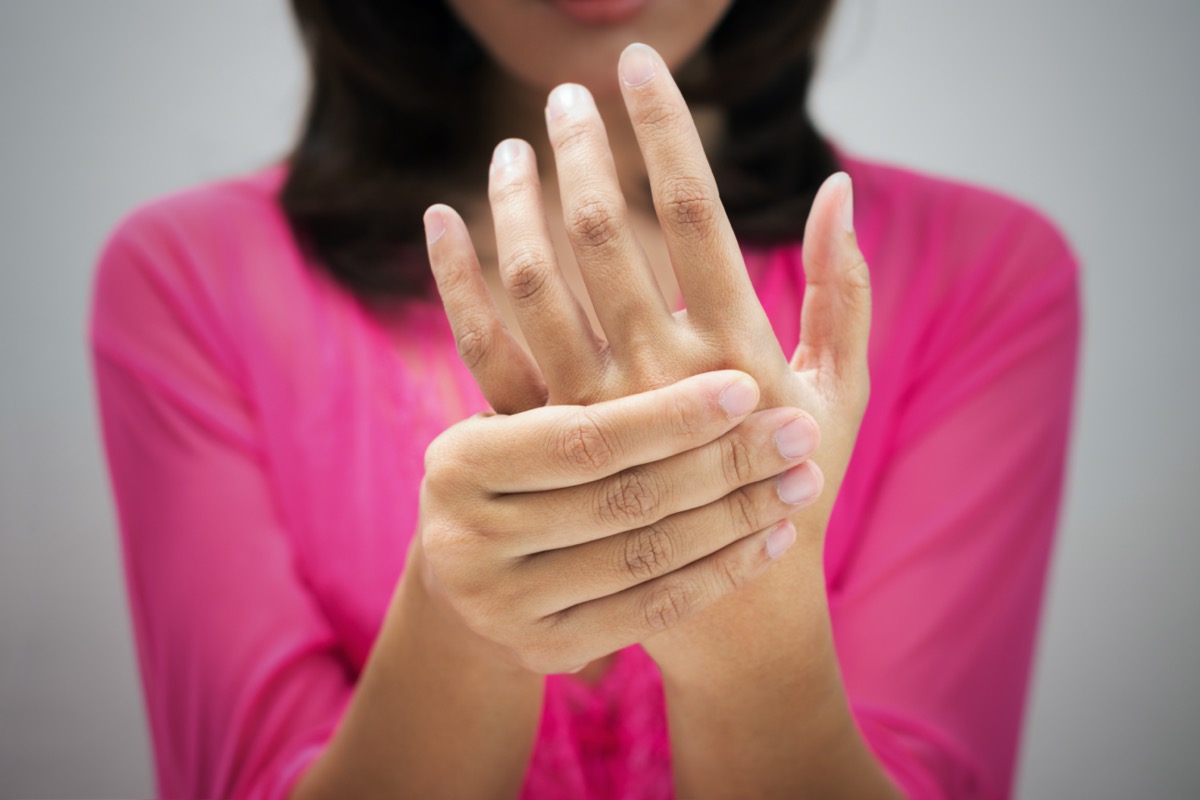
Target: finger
{"type": "Point", "coordinates": [639, 612]}
{"type": "Point", "coordinates": [507, 376]}
{"type": "Point", "coordinates": [571, 445]}
{"type": "Point", "coordinates": [555, 326]}
{"type": "Point", "coordinates": [835, 320]}
{"type": "Point", "coordinates": [766, 444]}
{"type": "Point", "coordinates": [704, 251]}
{"type": "Point", "coordinates": [617, 273]}
{"type": "Point", "coordinates": [607, 566]}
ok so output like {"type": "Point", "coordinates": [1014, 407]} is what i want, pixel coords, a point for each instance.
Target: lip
{"type": "Point", "coordinates": [600, 12]}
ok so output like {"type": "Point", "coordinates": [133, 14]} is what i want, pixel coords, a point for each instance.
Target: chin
{"type": "Point", "coordinates": [542, 43]}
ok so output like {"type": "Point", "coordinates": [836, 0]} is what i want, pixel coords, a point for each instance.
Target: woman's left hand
{"type": "Point", "coordinates": [723, 325]}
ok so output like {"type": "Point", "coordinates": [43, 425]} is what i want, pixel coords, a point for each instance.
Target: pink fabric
{"type": "Point", "coordinates": [265, 439]}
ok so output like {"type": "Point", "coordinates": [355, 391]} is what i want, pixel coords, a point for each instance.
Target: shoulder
{"type": "Point", "coordinates": [188, 259]}
{"type": "Point", "coordinates": [188, 285]}
{"type": "Point", "coordinates": [174, 230]}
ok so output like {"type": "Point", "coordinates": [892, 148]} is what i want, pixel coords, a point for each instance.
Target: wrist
{"type": "Point", "coordinates": [432, 713]}
{"type": "Point", "coordinates": [779, 618]}
{"type": "Point", "coordinates": [431, 623]}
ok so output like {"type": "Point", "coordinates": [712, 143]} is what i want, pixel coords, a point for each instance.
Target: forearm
{"type": "Point", "coordinates": [766, 716]}
{"type": "Point", "coordinates": [432, 717]}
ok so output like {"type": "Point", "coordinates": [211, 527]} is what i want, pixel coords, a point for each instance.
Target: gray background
{"type": "Point", "coordinates": [1089, 110]}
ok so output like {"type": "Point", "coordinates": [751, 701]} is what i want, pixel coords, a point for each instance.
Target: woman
{"type": "Point", "coordinates": [630, 581]}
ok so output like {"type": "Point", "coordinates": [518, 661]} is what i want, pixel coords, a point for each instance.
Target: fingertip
{"type": "Point", "coordinates": [740, 394]}
{"type": "Point", "coordinates": [818, 475]}
{"type": "Point", "coordinates": [435, 226]}
{"type": "Point", "coordinates": [798, 438]}
{"type": "Point", "coordinates": [835, 196]}
{"type": "Point", "coordinates": [638, 64]}
{"type": "Point", "coordinates": [508, 151]}
{"type": "Point", "coordinates": [435, 223]}
{"type": "Point", "coordinates": [847, 189]}
{"type": "Point", "coordinates": [816, 426]}
{"type": "Point", "coordinates": [801, 485]}
{"type": "Point", "coordinates": [830, 237]}
{"type": "Point", "coordinates": [568, 99]}
{"type": "Point", "coordinates": [836, 181]}
{"type": "Point", "coordinates": [779, 538]}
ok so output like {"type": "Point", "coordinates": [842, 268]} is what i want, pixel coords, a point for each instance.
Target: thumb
{"type": "Point", "coordinates": [835, 321]}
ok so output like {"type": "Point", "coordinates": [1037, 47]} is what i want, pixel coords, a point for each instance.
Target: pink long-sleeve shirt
{"type": "Point", "coordinates": [265, 436]}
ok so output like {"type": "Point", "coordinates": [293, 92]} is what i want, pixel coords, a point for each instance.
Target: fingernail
{"type": "Point", "coordinates": [739, 398]}
{"type": "Point", "coordinates": [796, 439]}
{"type": "Point", "coordinates": [566, 99]}
{"type": "Point", "coordinates": [797, 485]}
{"type": "Point", "coordinates": [507, 152]}
{"type": "Point", "coordinates": [848, 205]}
{"type": "Point", "coordinates": [637, 65]}
{"type": "Point", "coordinates": [435, 225]}
{"type": "Point", "coordinates": [781, 537]}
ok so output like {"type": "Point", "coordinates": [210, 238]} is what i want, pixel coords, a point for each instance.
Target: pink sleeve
{"type": "Point", "coordinates": [937, 612]}
{"type": "Point", "coordinates": [241, 673]}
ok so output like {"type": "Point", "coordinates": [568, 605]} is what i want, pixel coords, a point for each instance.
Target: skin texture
{"type": "Point", "coordinates": [535, 47]}
{"type": "Point", "coordinates": [611, 533]}
{"type": "Point", "coordinates": [583, 551]}
{"type": "Point", "coordinates": [780, 624]}
{"type": "Point", "coordinates": [483, 608]}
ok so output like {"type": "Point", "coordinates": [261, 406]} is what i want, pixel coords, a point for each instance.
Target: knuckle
{"type": "Point", "coordinates": [647, 553]}
{"type": "Point", "coordinates": [526, 275]}
{"type": "Point", "coordinates": [455, 463]}
{"type": "Point", "coordinates": [648, 370]}
{"type": "Point", "coordinates": [856, 274]}
{"type": "Point", "coordinates": [658, 115]}
{"type": "Point", "coordinates": [690, 204]}
{"type": "Point", "coordinates": [507, 190]}
{"type": "Point", "coordinates": [438, 456]}
{"type": "Point", "coordinates": [455, 271]}
{"type": "Point", "coordinates": [473, 340]}
{"type": "Point", "coordinates": [583, 445]}
{"type": "Point", "coordinates": [450, 551]}
{"type": "Point", "coordinates": [573, 135]}
{"type": "Point", "coordinates": [743, 512]}
{"type": "Point", "coordinates": [684, 419]}
{"type": "Point", "coordinates": [736, 461]}
{"type": "Point", "coordinates": [731, 574]}
{"type": "Point", "coordinates": [630, 497]}
{"type": "Point", "coordinates": [595, 223]}
{"type": "Point", "coordinates": [666, 605]}
{"type": "Point", "coordinates": [435, 540]}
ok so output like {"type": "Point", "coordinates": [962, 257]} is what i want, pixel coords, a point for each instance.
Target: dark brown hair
{"type": "Point", "coordinates": [388, 131]}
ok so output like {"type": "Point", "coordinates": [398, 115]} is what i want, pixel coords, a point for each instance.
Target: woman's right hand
{"type": "Point", "coordinates": [564, 533]}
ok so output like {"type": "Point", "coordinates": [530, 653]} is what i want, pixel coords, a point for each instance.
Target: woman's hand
{"type": "Point", "coordinates": [723, 325]}
{"type": "Point", "coordinates": [755, 701]}
{"type": "Point", "coordinates": [564, 533]}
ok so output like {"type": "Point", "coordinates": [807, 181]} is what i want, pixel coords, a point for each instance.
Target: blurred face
{"type": "Point", "coordinates": [542, 43]}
